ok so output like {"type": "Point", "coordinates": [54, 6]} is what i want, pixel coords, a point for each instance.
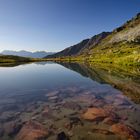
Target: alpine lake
{"type": "Point", "coordinates": [69, 101]}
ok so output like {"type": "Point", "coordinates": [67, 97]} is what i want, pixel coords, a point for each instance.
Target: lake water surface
{"type": "Point", "coordinates": [69, 101]}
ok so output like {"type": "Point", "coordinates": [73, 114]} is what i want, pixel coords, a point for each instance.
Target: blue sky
{"type": "Point", "coordinates": [53, 25]}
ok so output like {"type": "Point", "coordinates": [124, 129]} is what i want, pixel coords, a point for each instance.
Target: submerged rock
{"type": "Point", "coordinates": [112, 119]}
{"type": "Point", "coordinates": [53, 98]}
{"type": "Point", "coordinates": [32, 130]}
{"type": "Point", "coordinates": [125, 131]}
{"type": "Point", "coordinates": [70, 134]}
{"type": "Point", "coordinates": [95, 114]}
{"type": "Point", "coordinates": [85, 98]}
{"type": "Point", "coordinates": [121, 100]}
{"type": "Point", "coordinates": [1, 131]}
{"type": "Point", "coordinates": [31, 107]}
{"type": "Point", "coordinates": [102, 131]}
{"type": "Point", "coordinates": [73, 121]}
{"type": "Point", "coordinates": [62, 136]}
{"type": "Point", "coordinates": [7, 116]}
{"type": "Point", "coordinates": [72, 105]}
{"type": "Point", "coordinates": [46, 111]}
{"type": "Point", "coordinates": [52, 94]}
{"type": "Point", "coordinates": [12, 128]}
{"type": "Point", "coordinates": [98, 102]}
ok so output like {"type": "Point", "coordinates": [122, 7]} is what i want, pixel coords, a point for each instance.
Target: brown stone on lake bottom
{"type": "Point", "coordinates": [12, 128]}
{"type": "Point", "coordinates": [125, 131]}
{"type": "Point", "coordinates": [72, 105]}
{"type": "Point", "coordinates": [94, 114]}
{"type": "Point", "coordinates": [102, 131]}
{"type": "Point", "coordinates": [32, 130]}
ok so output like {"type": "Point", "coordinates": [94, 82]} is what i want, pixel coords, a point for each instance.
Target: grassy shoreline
{"type": "Point", "coordinates": [120, 61]}
{"type": "Point", "coordinates": [128, 60]}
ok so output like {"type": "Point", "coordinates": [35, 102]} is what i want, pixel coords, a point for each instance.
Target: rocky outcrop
{"type": "Point", "coordinates": [94, 41]}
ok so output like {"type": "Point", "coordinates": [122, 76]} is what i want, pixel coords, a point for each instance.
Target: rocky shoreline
{"type": "Point", "coordinates": [72, 114]}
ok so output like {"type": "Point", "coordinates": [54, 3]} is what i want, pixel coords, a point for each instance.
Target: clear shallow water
{"type": "Point", "coordinates": [66, 91]}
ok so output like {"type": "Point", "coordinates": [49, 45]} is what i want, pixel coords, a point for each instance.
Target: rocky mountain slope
{"type": "Point", "coordinates": [94, 41]}
{"type": "Point", "coordinates": [122, 46]}
{"type": "Point", "coordinates": [80, 47]}
{"type": "Point", "coordinates": [73, 50]}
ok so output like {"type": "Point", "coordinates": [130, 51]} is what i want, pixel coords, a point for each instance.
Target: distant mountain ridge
{"type": "Point", "coordinates": [23, 53]}
{"type": "Point", "coordinates": [80, 47]}
{"type": "Point", "coordinates": [73, 50]}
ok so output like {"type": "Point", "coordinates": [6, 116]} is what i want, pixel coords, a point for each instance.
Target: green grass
{"type": "Point", "coordinates": [17, 59]}
{"type": "Point", "coordinates": [12, 59]}
{"type": "Point", "coordinates": [119, 54]}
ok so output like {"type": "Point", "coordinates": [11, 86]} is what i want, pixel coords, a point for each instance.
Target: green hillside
{"type": "Point", "coordinates": [12, 59]}
{"type": "Point", "coordinates": [121, 46]}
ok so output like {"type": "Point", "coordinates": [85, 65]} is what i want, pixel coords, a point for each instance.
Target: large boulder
{"type": "Point", "coordinates": [32, 130]}
{"type": "Point", "coordinates": [125, 131]}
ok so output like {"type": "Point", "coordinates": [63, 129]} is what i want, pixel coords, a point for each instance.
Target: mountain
{"type": "Point", "coordinates": [94, 41]}
{"type": "Point", "coordinates": [38, 54]}
{"type": "Point", "coordinates": [121, 46]}
{"type": "Point", "coordinates": [73, 50]}
{"type": "Point", "coordinates": [80, 47]}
